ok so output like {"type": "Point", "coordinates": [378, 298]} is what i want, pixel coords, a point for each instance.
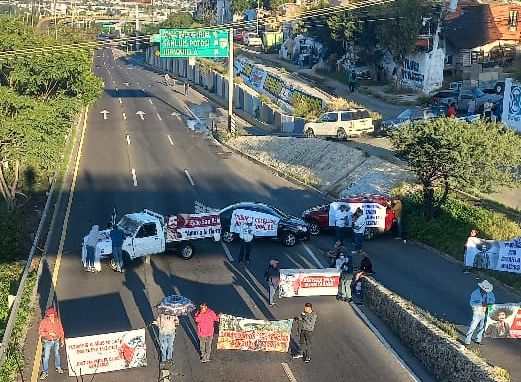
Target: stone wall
{"type": "Point", "coordinates": [445, 358]}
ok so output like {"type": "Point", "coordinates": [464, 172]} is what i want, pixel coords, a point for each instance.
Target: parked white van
{"type": "Point", "coordinates": [341, 124]}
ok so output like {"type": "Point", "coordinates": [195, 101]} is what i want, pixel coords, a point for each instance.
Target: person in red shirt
{"type": "Point", "coordinates": [205, 319]}
{"type": "Point", "coordinates": [451, 111]}
{"type": "Point", "coordinates": [52, 336]}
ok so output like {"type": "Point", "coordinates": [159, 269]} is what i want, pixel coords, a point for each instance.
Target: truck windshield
{"type": "Point", "coordinates": [128, 225]}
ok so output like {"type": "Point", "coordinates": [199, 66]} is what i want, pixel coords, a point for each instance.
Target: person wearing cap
{"type": "Point", "coordinates": [52, 336]}
{"type": "Point", "coordinates": [246, 236]}
{"type": "Point", "coordinates": [272, 276]}
{"type": "Point", "coordinates": [307, 321]}
{"type": "Point", "coordinates": [345, 265]}
{"type": "Point", "coordinates": [480, 299]}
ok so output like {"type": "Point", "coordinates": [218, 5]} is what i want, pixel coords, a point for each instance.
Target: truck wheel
{"type": "Point", "coordinates": [289, 239]}
{"type": "Point", "coordinates": [227, 236]}
{"type": "Point", "coordinates": [187, 252]}
{"type": "Point", "coordinates": [314, 228]}
{"type": "Point", "coordinates": [369, 233]}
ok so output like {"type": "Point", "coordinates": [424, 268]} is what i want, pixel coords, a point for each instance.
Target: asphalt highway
{"type": "Point", "coordinates": [135, 160]}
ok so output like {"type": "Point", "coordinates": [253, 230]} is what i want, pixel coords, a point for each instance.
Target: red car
{"type": "Point", "coordinates": [318, 217]}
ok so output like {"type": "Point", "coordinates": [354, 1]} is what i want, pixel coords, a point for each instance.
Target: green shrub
{"type": "Point", "coordinates": [11, 236]}
{"type": "Point", "coordinates": [303, 109]}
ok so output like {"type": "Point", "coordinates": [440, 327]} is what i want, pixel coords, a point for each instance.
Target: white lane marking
{"type": "Point", "coordinates": [288, 372]}
{"type": "Point", "coordinates": [128, 139]}
{"type": "Point", "coordinates": [384, 341]}
{"type": "Point", "coordinates": [120, 100]}
{"type": "Point", "coordinates": [227, 252]}
{"type": "Point", "coordinates": [189, 178]}
{"type": "Point", "coordinates": [124, 116]}
{"type": "Point", "coordinates": [134, 178]}
{"type": "Point", "coordinates": [170, 140]}
{"type": "Point", "coordinates": [149, 85]}
{"type": "Point", "coordinates": [315, 259]}
{"type": "Point", "coordinates": [149, 100]}
{"type": "Point", "coordinates": [158, 116]}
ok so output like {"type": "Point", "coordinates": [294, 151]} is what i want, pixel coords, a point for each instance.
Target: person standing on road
{"type": "Point", "coordinates": [167, 79]}
{"type": "Point", "coordinates": [397, 207]}
{"type": "Point", "coordinates": [470, 248]}
{"type": "Point", "coordinates": [90, 246]}
{"type": "Point", "coordinates": [471, 109]}
{"type": "Point", "coordinates": [186, 88]}
{"type": "Point", "coordinates": [52, 336]}
{"type": "Point", "coordinates": [117, 236]}
{"type": "Point", "coordinates": [205, 319]}
{"type": "Point", "coordinates": [487, 110]}
{"type": "Point", "coordinates": [167, 325]}
{"type": "Point", "coordinates": [272, 276]}
{"type": "Point", "coordinates": [480, 300]}
{"type": "Point", "coordinates": [341, 222]}
{"type": "Point", "coordinates": [358, 229]}
{"type": "Point", "coordinates": [452, 112]}
{"type": "Point", "coordinates": [246, 236]}
{"type": "Point", "coordinates": [345, 264]}
{"type": "Point", "coordinates": [306, 321]}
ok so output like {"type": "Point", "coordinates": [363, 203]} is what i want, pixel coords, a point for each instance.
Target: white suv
{"type": "Point", "coordinates": [340, 124]}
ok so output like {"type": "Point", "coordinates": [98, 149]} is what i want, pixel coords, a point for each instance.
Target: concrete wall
{"type": "Point", "coordinates": [445, 358]}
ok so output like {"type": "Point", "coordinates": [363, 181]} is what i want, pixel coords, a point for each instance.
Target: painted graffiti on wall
{"type": "Point", "coordinates": [412, 74]}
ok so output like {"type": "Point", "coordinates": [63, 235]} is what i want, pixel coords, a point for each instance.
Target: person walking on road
{"type": "Point", "coordinates": [205, 319]}
{"type": "Point", "coordinates": [167, 325]}
{"type": "Point", "coordinates": [452, 112]}
{"type": "Point", "coordinates": [342, 220]}
{"type": "Point", "coordinates": [358, 229]}
{"type": "Point", "coordinates": [397, 207]}
{"type": "Point", "coordinates": [272, 276]}
{"type": "Point", "coordinates": [246, 236]}
{"type": "Point", "coordinates": [480, 299]}
{"type": "Point", "coordinates": [470, 247]}
{"type": "Point", "coordinates": [52, 337]}
{"type": "Point", "coordinates": [306, 322]}
{"type": "Point", "coordinates": [345, 264]}
{"type": "Point", "coordinates": [90, 246]}
{"type": "Point", "coordinates": [117, 236]}
{"type": "Point", "coordinates": [186, 88]}
{"type": "Point", "coordinates": [352, 81]}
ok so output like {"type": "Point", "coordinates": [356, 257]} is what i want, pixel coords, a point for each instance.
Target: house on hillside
{"type": "Point", "coordinates": [481, 32]}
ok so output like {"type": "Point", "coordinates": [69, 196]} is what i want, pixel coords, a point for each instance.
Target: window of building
{"type": "Point", "coordinates": [513, 18]}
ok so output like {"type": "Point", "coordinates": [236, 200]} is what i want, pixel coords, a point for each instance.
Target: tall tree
{"type": "Point", "coordinates": [446, 153]}
{"type": "Point", "coordinates": [241, 6]}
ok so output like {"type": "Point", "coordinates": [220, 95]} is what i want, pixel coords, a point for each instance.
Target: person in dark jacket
{"type": "Point", "coordinates": [117, 236]}
{"type": "Point", "coordinates": [366, 266]}
{"type": "Point", "coordinates": [345, 264]}
{"type": "Point", "coordinates": [272, 277]}
{"type": "Point", "coordinates": [306, 321]}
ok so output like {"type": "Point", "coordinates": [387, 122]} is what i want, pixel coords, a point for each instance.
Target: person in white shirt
{"type": "Point", "coordinates": [471, 248]}
{"type": "Point", "coordinates": [342, 220]}
{"type": "Point", "coordinates": [358, 229]}
{"type": "Point", "coordinates": [246, 236]}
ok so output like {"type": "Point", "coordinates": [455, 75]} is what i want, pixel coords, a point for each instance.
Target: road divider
{"type": "Point", "coordinates": [189, 177]}
{"type": "Point", "coordinates": [134, 177]}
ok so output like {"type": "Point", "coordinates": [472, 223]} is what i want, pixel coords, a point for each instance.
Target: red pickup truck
{"type": "Point", "coordinates": [318, 217]}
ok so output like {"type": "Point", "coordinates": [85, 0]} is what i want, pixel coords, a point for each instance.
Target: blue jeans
{"type": "Point", "coordinates": [47, 346]}
{"type": "Point", "coordinates": [478, 321]}
{"type": "Point", "coordinates": [166, 343]}
{"type": "Point", "coordinates": [118, 257]}
{"type": "Point", "coordinates": [272, 290]}
{"type": "Point", "coordinates": [339, 234]}
{"type": "Point", "coordinates": [345, 285]}
{"type": "Point", "coordinates": [359, 241]}
{"type": "Point", "coordinates": [89, 260]}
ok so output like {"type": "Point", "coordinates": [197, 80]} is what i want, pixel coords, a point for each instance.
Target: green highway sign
{"type": "Point", "coordinates": [155, 38]}
{"type": "Point", "coordinates": [193, 43]}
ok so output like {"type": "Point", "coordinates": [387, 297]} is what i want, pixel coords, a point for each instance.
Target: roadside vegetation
{"type": "Point", "coordinates": [41, 92]}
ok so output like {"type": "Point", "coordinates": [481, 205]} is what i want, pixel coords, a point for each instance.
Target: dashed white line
{"type": "Point", "coordinates": [120, 100]}
{"type": "Point", "coordinates": [128, 139]}
{"type": "Point", "coordinates": [189, 178]}
{"type": "Point", "coordinates": [288, 372]}
{"type": "Point", "coordinates": [134, 178]}
{"type": "Point", "coordinates": [124, 116]}
{"type": "Point", "coordinates": [170, 140]}
{"type": "Point", "coordinates": [150, 101]}
{"type": "Point", "coordinates": [315, 259]}
{"type": "Point", "coordinates": [158, 116]}
{"type": "Point", "coordinates": [227, 252]}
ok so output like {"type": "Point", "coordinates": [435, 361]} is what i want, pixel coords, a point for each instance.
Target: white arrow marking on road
{"type": "Point", "coordinates": [134, 178]}
{"type": "Point", "coordinates": [149, 100]}
{"type": "Point", "coordinates": [227, 252]}
{"type": "Point", "coordinates": [176, 114]}
{"type": "Point", "coordinates": [124, 116]}
{"type": "Point", "coordinates": [158, 116]}
{"type": "Point", "coordinates": [104, 112]}
{"type": "Point", "coordinates": [120, 101]}
{"type": "Point", "coordinates": [170, 140]}
{"type": "Point", "coordinates": [141, 114]}
{"type": "Point", "coordinates": [128, 139]}
{"type": "Point", "coordinates": [126, 83]}
{"type": "Point", "coordinates": [189, 178]}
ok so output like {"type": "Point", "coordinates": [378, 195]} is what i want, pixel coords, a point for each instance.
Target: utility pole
{"type": "Point", "coordinates": [231, 122]}
{"type": "Point", "coordinates": [257, 16]}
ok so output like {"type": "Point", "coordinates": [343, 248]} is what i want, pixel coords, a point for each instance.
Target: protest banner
{"type": "Point", "coordinates": [309, 282]}
{"type": "Point", "coordinates": [238, 333]}
{"type": "Point", "coordinates": [106, 352]}
{"type": "Point", "coordinates": [504, 321]}
{"type": "Point", "coordinates": [263, 224]}
{"type": "Point", "coordinates": [192, 226]}
{"type": "Point", "coordinates": [504, 256]}
{"type": "Point", "coordinates": [374, 213]}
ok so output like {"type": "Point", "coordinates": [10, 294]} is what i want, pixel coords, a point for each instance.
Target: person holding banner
{"type": "Point", "coordinates": [246, 236]}
{"type": "Point", "coordinates": [167, 325]}
{"type": "Point", "coordinates": [205, 319]}
{"type": "Point", "coordinates": [342, 220]}
{"type": "Point", "coordinates": [358, 229]}
{"type": "Point", "coordinates": [272, 276]}
{"type": "Point", "coordinates": [52, 337]}
{"type": "Point", "coordinates": [470, 250]}
{"type": "Point", "coordinates": [306, 321]}
{"type": "Point", "coordinates": [480, 299]}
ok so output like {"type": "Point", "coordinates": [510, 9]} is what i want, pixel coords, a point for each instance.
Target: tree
{"type": "Point", "coordinates": [241, 6]}
{"type": "Point", "coordinates": [399, 36]}
{"type": "Point", "coordinates": [178, 20]}
{"type": "Point", "coordinates": [449, 154]}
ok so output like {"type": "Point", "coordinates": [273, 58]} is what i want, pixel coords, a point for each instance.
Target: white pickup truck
{"type": "Point", "coordinates": [149, 233]}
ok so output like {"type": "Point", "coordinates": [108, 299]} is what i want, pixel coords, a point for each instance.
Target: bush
{"type": "Point", "coordinates": [307, 110]}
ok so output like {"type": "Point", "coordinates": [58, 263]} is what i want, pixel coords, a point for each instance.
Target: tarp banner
{"type": "Point", "coordinates": [237, 333]}
{"type": "Point", "coordinates": [497, 255]}
{"type": "Point", "coordinates": [374, 213]}
{"type": "Point", "coordinates": [504, 321]}
{"type": "Point", "coordinates": [263, 224]}
{"type": "Point", "coordinates": [106, 352]}
{"type": "Point", "coordinates": [309, 282]}
{"type": "Point", "coordinates": [192, 226]}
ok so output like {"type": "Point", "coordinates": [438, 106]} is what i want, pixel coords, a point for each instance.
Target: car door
{"type": "Point", "coordinates": [346, 121]}
{"type": "Point", "coordinates": [147, 240]}
{"type": "Point", "coordinates": [320, 126]}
